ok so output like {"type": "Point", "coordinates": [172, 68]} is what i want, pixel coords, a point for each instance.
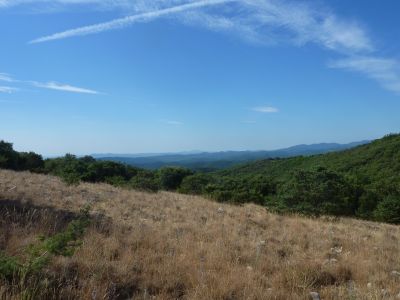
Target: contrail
{"type": "Point", "coordinates": [123, 22]}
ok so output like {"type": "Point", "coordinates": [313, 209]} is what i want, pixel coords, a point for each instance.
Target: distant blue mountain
{"type": "Point", "coordinates": [210, 161]}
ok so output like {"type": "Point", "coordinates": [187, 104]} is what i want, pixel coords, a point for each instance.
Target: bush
{"type": "Point", "coordinates": [317, 192]}
{"type": "Point", "coordinates": [388, 210]}
{"type": "Point", "coordinates": [170, 178]}
{"type": "Point", "coordinates": [144, 181]}
{"type": "Point", "coordinates": [8, 266]}
{"type": "Point", "coordinates": [8, 157]}
{"type": "Point", "coordinates": [30, 161]}
{"type": "Point", "coordinates": [195, 184]}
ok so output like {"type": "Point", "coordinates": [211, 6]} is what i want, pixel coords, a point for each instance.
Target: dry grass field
{"type": "Point", "coordinates": [171, 246]}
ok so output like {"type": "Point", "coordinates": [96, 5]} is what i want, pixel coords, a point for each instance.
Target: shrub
{"type": "Point", "coordinates": [320, 191]}
{"type": "Point", "coordinates": [388, 210]}
{"type": "Point", "coordinates": [195, 184]}
{"type": "Point", "coordinates": [171, 177]}
{"type": "Point", "coordinates": [8, 266]}
{"type": "Point", "coordinates": [144, 181]}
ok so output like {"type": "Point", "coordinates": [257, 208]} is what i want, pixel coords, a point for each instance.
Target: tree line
{"type": "Point", "coordinates": [308, 186]}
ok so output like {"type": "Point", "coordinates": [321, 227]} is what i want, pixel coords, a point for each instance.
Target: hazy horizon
{"type": "Point", "coordinates": [190, 151]}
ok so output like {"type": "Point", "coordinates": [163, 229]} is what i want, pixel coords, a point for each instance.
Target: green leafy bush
{"type": "Point", "coordinates": [144, 181]}
{"type": "Point", "coordinates": [8, 266]}
{"type": "Point", "coordinates": [388, 210]}
{"type": "Point", "coordinates": [170, 178]}
{"type": "Point", "coordinates": [317, 192]}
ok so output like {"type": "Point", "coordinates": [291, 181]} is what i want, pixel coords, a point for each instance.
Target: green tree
{"type": "Point", "coordinates": [388, 210]}
{"type": "Point", "coordinates": [320, 191]}
{"type": "Point", "coordinates": [195, 184]}
{"type": "Point", "coordinates": [171, 177]}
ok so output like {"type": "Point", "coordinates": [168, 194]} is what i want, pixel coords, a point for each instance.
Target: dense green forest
{"type": "Point", "coordinates": [362, 182]}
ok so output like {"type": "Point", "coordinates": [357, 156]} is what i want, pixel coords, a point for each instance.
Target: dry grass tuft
{"type": "Point", "coordinates": [171, 246]}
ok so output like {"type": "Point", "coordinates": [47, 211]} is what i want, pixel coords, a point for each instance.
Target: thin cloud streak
{"type": "Point", "coordinates": [52, 85]}
{"type": "Point", "coordinates": [5, 77]}
{"type": "Point", "coordinates": [124, 22]}
{"type": "Point", "coordinates": [7, 89]}
{"type": "Point", "coordinates": [64, 87]}
{"type": "Point", "coordinates": [265, 109]}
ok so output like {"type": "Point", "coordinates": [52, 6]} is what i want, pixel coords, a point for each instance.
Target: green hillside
{"type": "Point", "coordinates": [376, 163]}
{"type": "Point", "coordinates": [363, 182]}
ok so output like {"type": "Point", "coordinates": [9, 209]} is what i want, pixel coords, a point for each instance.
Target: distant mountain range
{"type": "Point", "coordinates": [211, 161]}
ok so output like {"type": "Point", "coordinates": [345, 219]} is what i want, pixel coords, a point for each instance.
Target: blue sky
{"type": "Point", "coordinates": [129, 76]}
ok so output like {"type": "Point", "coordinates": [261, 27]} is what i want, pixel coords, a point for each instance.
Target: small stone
{"type": "Point", "coordinates": [369, 285]}
{"type": "Point", "coordinates": [315, 296]}
{"type": "Point", "coordinates": [395, 273]}
{"type": "Point", "coordinates": [262, 243]}
{"type": "Point", "coordinates": [249, 268]}
{"type": "Point", "coordinates": [221, 210]}
{"type": "Point", "coordinates": [330, 261]}
{"type": "Point", "coordinates": [337, 250]}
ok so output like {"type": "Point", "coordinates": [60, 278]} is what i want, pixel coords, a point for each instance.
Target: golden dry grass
{"type": "Point", "coordinates": [171, 246]}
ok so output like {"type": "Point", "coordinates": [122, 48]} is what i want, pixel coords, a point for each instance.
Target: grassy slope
{"type": "Point", "coordinates": [379, 160]}
{"type": "Point", "coordinates": [170, 246]}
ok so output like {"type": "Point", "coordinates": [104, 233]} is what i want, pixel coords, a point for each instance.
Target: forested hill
{"type": "Point", "coordinates": [212, 161]}
{"type": "Point", "coordinates": [362, 182]}
{"type": "Point", "coordinates": [377, 162]}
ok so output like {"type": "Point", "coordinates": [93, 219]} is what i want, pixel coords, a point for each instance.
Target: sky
{"type": "Point", "coordinates": [136, 76]}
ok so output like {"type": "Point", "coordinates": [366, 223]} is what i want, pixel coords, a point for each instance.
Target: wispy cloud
{"type": "Point", "coordinates": [263, 21]}
{"type": "Point", "coordinates": [124, 22]}
{"type": "Point", "coordinates": [47, 85]}
{"type": "Point", "coordinates": [260, 21]}
{"type": "Point", "coordinates": [7, 89]}
{"type": "Point", "coordinates": [265, 109]}
{"type": "Point", "coordinates": [63, 87]}
{"type": "Point", "coordinates": [5, 77]}
{"type": "Point", "coordinates": [101, 3]}
{"type": "Point", "coordinates": [175, 123]}
{"type": "Point", "coordinates": [385, 71]}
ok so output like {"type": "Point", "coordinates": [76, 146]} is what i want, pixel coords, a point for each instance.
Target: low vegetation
{"type": "Point", "coordinates": [362, 182]}
{"type": "Point", "coordinates": [171, 246]}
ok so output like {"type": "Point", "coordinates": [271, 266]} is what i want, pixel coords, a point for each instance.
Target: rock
{"type": "Point", "coordinates": [395, 273]}
{"type": "Point", "coordinates": [369, 285]}
{"type": "Point", "coordinates": [249, 268]}
{"type": "Point", "coordinates": [221, 210]}
{"type": "Point", "coordinates": [337, 250]}
{"type": "Point", "coordinates": [385, 292]}
{"type": "Point", "coordinates": [262, 243]}
{"type": "Point", "coordinates": [315, 296]}
{"type": "Point", "coordinates": [330, 261]}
